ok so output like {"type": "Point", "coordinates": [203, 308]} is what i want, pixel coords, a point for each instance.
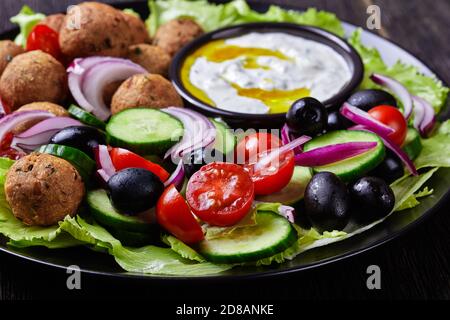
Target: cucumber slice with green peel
{"type": "Point", "coordinates": [103, 211]}
{"type": "Point", "coordinates": [295, 189]}
{"type": "Point", "coordinates": [134, 239]}
{"type": "Point", "coordinates": [412, 144]}
{"type": "Point", "coordinates": [271, 234]}
{"type": "Point", "coordinates": [80, 160]}
{"type": "Point", "coordinates": [351, 168]}
{"type": "Point", "coordinates": [225, 139]}
{"type": "Point", "coordinates": [86, 117]}
{"type": "Point", "coordinates": [143, 130]}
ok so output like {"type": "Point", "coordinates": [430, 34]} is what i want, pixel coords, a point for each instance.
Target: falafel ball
{"type": "Point", "coordinates": [174, 34]}
{"type": "Point", "coordinates": [152, 58]}
{"type": "Point", "coordinates": [57, 110]}
{"type": "Point", "coordinates": [145, 91]}
{"type": "Point", "coordinates": [33, 76]}
{"type": "Point", "coordinates": [109, 90]}
{"type": "Point", "coordinates": [139, 33]}
{"type": "Point", "coordinates": [53, 21]}
{"type": "Point", "coordinates": [42, 189]}
{"type": "Point", "coordinates": [8, 50]}
{"type": "Point", "coordinates": [103, 31]}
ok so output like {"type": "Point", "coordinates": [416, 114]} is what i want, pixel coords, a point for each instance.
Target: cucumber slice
{"type": "Point", "coordinates": [225, 139]}
{"type": "Point", "coordinates": [412, 145]}
{"type": "Point", "coordinates": [144, 130]}
{"type": "Point", "coordinates": [133, 239]}
{"type": "Point", "coordinates": [271, 235]}
{"type": "Point", "coordinates": [80, 160]}
{"type": "Point", "coordinates": [352, 168]}
{"type": "Point", "coordinates": [294, 191]}
{"type": "Point", "coordinates": [86, 117]}
{"type": "Point", "coordinates": [103, 211]}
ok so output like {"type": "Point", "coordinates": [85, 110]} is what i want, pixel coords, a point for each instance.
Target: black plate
{"type": "Point", "coordinates": [396, 225]}
{"type": "Point", "coordinates": [250, 120]}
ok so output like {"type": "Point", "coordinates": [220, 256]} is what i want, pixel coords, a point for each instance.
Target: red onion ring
{"type": "Point", "coordinates": [424, 117]}
{"type": "Point", "coordinates": [332, 153]}
{"type": "Point", "coordinates": [287, 212]}
{"type": "Point", "coordinates": [361, 117]}
{"type": "Point", "coordinates": [177, 177]}
{"type": "Point", "coordinates": [398, 89]}
{"type": "Point", "coordinates": [104, 162]}
{"type": "Point", "coordinates": [392, 146]}
{"type": "Point", "coordinates": [10, 121]}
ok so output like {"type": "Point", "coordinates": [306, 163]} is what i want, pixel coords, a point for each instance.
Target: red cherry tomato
{"type": "Point", "coordinates": [275, 175]}
{"type": "Point", "coordinates": [123, 158]}
{"type": "Point", "coordinates": [46, 39]}
{"type": "Point", "coordinates": [174, 215]}
{"type": "Point", "coordinates": [220, 193]}
{"type": "Point", "coordinates": [393, 118]}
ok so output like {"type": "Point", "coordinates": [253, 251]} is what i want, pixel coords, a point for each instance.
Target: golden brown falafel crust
{"type": "Point", "coordinates": [139, 33]}
{"type": "Point", "coordinates": [8, 50]}
{"type": "Point", "coordinates": [53, 21]}
{"type": "Point", "coordinates": [174, 34]}
{"type": "Point", "coordinates": [33, 76]}
{"type": "Point", "coordinates": [42, 189]}
{"type": "Point", "coordinates": [103, 31]}
{"type": "Point", "coordinates": [57, 110]}
{"type": "Point", "coordinates": [145, 91]}
{"type": "Point", "coordinates": [154, 59]}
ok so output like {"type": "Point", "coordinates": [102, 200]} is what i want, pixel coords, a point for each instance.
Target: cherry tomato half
{"type": "Point", "coordinates": [276, 174]}
{"type": "Point", "coordinates": [174, 215]}
{"type": "Point", "coordinates": [220, 193]}
{"type": "Point", "coordinates": [46, 39]}
{"type": "Point", "coordinates": [123, 159]}
{"type": "Point", "coordinates": [393, 118]}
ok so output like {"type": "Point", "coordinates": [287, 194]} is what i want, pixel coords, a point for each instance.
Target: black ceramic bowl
{"type": "Point", "coordinates": [247, 120]}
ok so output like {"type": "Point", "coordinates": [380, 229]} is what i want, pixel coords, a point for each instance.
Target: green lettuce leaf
{"type": "Point", "coordinates": [426, 87]}
{"type": "Point", "coordinates": [131, 12]}
{"type": "Point", "coordinates": [148, 259]}
{"type": "Point", "coordinates": [412, 201]}
{"type": "Point", "coordinates": [436, 149]}
{"type": "Point", "coordinates": [26, 19]}
{"type": "Point", "coordinates": [214, 16]}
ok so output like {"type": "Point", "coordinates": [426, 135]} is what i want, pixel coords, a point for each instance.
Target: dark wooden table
{"type": "Point", "coordinates": [416, 265]}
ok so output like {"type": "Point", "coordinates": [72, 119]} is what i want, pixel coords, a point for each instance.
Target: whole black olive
{"type": "Point", "coordinates": [197, 158]}
{"type": "Point", "coordinates": [336, 121]}
{"type": "Point", "coordinates": [307, 116]}
{"type": "Point", "coordinates": [84, 138]}
{"type": "Point", "coordinates": [134, 190]}
{"type": "Point", "coordinates": [327, 202]}
{"type": "Point", "coordinates": [369, 98]}
{"type": "Point", "coordinates": [372, 199]}
{"type": "Point", "coordinates": [390, 169]}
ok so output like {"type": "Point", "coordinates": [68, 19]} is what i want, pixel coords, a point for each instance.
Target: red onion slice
{"type": "Point", "coordinates": [199, 132]}
{"type": "Point", "coordinates": [287, 212]}
{"type": "Point", "coordinates": [398, 89]}
{"type": "Point", "coordinates": [104, 160]}
{"type": "Point", "coordinates": [177, 177]}
{"type": "Point", "coordinates": [285, 138]}
{"type": "Point", "coordinates": [392, 146]}
{"type": "Point", "coordinates": [102, 173]}
{"type": "Point", "coordinates": [41, 132]}
{"type": "Point", "coordinates": [10, 121]}
{"type": "Point", "coordinates": [424, 113]}
{"type": "Point", "coordinates": [89, 76]}
{"type": "Point", "coordinates": [361, 117]}
{"type": "Point", "coordinates": [332, 153]}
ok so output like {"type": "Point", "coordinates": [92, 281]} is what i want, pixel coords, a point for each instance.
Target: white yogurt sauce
{"type": "Point", "coordinates": [310, 65]}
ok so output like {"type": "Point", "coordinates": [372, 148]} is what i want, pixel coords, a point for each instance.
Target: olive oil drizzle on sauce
{"type": "Point", "coordinates": [277, 101]}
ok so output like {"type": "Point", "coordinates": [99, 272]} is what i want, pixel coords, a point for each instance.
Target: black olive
{"type": "Point", "coordinates": [367, 99]}
{"type": "Point", "coordinates": [134, 190]}
{"type": "Point", "coordinates": [372, 199]}
{"type": "Point", "coordinates": [336, 121]}
{"type": "Point", "coordinates": [390, 169]}
{"type": "Point", "coordinates": [327, 202]}
{"type": "Point", "coordinates": [197, 158]}
{"type": "Point", "coordinates": [84, 138]}
{"type": "Point", "coordinates": [307, 116]}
